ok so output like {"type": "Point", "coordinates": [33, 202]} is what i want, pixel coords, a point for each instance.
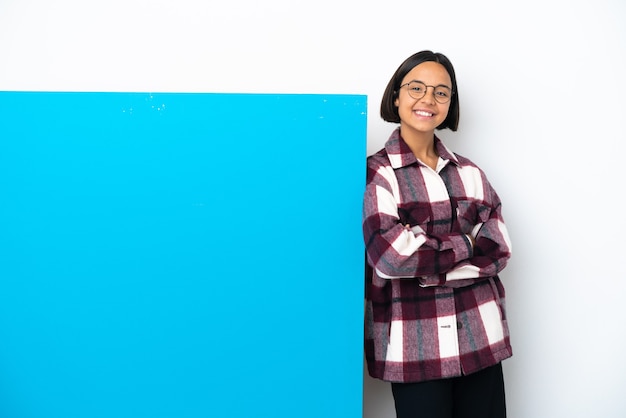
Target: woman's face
{"type": "Point", "coordinates": [425, 114]}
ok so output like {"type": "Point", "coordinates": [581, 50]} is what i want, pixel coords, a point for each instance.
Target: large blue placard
{"type": "Point", "coordinates": [181, 255]}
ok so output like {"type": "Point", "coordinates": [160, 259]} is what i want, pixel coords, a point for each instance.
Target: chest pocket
{"type": "Point", "coordinates": [471, 213]}
{"type": "Point", "coordinates": [416, 213]}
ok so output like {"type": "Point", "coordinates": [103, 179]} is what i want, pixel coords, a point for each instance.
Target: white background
{"type": "Point", "coordinates": [542, 102]}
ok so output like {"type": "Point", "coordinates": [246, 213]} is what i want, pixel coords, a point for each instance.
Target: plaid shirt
{"type": "Point", "coordinates": [435, 307]}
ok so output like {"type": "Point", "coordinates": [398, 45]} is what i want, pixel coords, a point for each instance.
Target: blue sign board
{"type": "Point", "coordinates": [181, 255]}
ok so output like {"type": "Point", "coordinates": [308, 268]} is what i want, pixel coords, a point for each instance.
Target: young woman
{"type": "Point", "coordinates": [435, 238]}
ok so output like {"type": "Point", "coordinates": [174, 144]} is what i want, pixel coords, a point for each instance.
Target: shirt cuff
{"type": "Point", "coordinates": [462, 247]}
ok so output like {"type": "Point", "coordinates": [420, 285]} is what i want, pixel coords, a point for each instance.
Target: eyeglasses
{"type": "Point", "coordinates": [417, 90]}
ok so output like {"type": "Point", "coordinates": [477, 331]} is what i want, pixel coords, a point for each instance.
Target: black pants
{"type": "Point", "coordinates": [478, 395]}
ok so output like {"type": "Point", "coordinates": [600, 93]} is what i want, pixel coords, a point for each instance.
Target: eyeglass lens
{"type": "Point", "coordinates": [417, 90]}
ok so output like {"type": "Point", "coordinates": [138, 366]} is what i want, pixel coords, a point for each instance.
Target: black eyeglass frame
{"type": "Point", "coordinates": [437, 98]}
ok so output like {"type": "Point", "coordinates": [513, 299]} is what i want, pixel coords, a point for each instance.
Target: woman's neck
{"type": "Point", "coordinates": [423, 146]}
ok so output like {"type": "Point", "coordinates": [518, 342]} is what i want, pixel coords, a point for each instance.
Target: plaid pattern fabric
{"type": "Point", "coordinates": [435, 307]}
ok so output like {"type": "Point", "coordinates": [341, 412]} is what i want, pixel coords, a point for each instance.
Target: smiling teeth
{"type": "Point", "coordinates": [422, 113]}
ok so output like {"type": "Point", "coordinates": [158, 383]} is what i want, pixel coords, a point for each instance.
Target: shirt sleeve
{"type": "Point", "coordinates": [394, 251]}
{"type": "Point", "coordinates": [492, 247]}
